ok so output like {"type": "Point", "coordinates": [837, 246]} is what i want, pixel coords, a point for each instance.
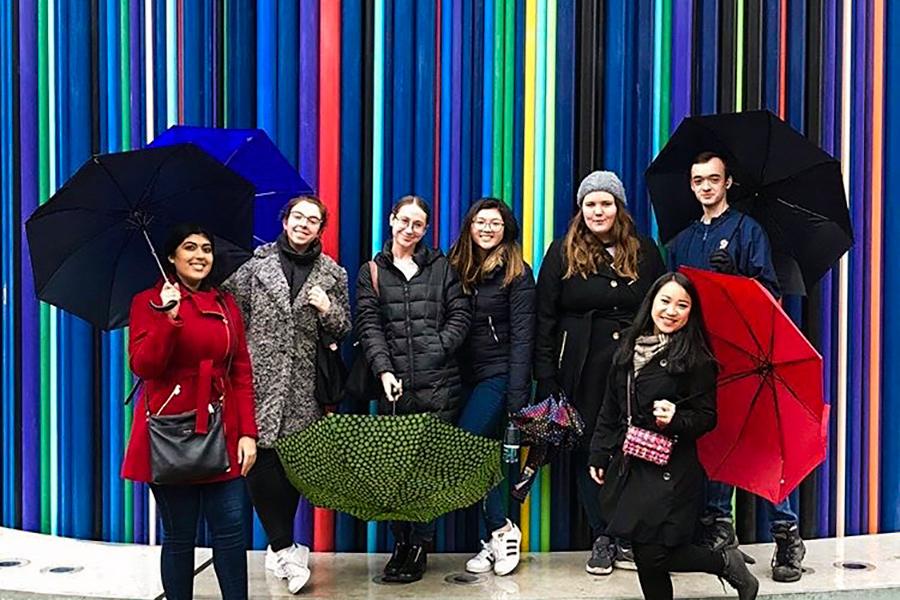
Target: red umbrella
{"type": "Point", "coordinates": [772, 420]}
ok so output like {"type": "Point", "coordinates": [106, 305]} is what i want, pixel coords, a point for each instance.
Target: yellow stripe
{"type": "Point", "coordinates": [528, 163]}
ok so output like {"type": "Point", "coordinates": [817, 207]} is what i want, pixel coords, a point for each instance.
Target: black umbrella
{"type": "Point", "coordinates": [89, 242]}
{"type": "Point", "coordinates": [784, 181]}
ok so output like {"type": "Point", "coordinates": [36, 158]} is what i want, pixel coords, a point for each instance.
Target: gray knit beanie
{"type": "Point", "coordinates": [601, 181]}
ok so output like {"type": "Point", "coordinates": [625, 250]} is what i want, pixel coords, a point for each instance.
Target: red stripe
{"type": "Point", "coordinates": [329, 180]}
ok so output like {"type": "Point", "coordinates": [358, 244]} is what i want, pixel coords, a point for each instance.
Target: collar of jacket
{"type": "Point", "coordinates": [207, 302]}
{"type": "Point", "coordinates": [306, 257]}
{"type": "Point", "coordinates": [271, 275]}
{"type": "Point", "coordinates": [423, 255]}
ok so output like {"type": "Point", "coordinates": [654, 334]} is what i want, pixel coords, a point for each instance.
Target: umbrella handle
{"type": "Point", "coordinates": [168, 305]}
{"type": "Point", "coordinates": [164, 307]}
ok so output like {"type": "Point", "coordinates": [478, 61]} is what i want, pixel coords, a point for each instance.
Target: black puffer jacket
{"type": "Point", "coordinates": [501, 339]}
{"type": "Point", "coordinates": [414, 328]}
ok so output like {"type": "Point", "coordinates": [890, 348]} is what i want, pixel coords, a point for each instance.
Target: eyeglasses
{"type": "Point", "coordinates": [417, 226]}
{"type": "Point", "coordinates": [301, 218]}
{"type": "Point", "coordinates": [488, 225]}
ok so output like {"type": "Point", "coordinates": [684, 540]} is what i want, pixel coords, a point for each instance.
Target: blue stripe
{"type": "Point", "coordinates": [402, 99]}
{"type": "Point", "coordinates": [487, 122]}
{"type": "Point", "coordinates": [423, 156]}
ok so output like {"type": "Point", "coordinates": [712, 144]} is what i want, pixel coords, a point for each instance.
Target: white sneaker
{"type": "Point", "coordinates": [483, 561]}
{"type": "Point", "coordinates": [272, 560]}
{"type": "Point", "coordinates": [292, 565]}
{"type": "Point", "coordinates": [506, 547]}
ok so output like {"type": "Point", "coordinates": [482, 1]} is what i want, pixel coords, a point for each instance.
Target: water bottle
{"type": "Point", "coordinates": [511, 442]}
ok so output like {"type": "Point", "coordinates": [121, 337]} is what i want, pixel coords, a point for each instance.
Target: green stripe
{"type": "Point", "coordinates": [665, 91]}
{"type": "Point", "coordinates": [43, 194]}
{"type": "Point", "coordinates": [509, 65]}
{"type": "Point", "coordinates": [499, 70]}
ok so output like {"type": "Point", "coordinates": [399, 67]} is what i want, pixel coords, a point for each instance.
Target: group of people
{"type": "Point", "coordinates": [470, 338]}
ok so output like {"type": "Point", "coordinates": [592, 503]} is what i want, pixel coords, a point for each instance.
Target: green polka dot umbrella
{"type": "Point", "coordinates": [380, 467]}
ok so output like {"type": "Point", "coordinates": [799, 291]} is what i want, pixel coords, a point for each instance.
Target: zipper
{"type": "Point", "coordinates": [562, 349]}
{"type": "Point", "coordinates": [493, 331]}
{"type": "Point", "coordinates": [175, 391]}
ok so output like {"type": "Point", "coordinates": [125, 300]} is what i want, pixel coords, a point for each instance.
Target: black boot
{"type": "Point", "coordinates": [395, 563]}
{"type": "Point", "coordinates": [738, 575]}
{"type": "Point", "coordinates": [789, 553]}
{"type": "Point", "coordinates": [414, 566]}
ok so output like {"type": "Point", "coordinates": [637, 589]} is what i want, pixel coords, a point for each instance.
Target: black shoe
{"type": "Point", "coordinates": [624, 558]}
{"type": "Point", "coordinates": [738, 575]}
{"type": "Point", "coordinates": [601, 560]}
{"type": "Point", "coordinates": [789, 552]}
{"type": "Point", "coordinates": [414, 566]}
{"type": "Point", "coordinates": [717, 534]}
{"type": "Point", "coordinates": [398, 557]}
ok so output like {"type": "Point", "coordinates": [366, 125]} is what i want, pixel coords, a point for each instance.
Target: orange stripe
{"type": "Point", "coordinates": [875, 235]}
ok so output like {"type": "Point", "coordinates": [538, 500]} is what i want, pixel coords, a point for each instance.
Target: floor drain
{"type": "Point", "coordinates": [464, 578]}
{"type": "Point", "coordinates": [12, 562]}
{"type": "Point", "coordinates": [61, 570]}
{"type": "Point", "coordinates": [854, 565]}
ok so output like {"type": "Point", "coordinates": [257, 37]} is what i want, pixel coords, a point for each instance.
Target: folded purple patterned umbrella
{"type": "Point", "coordinates": [553, 421]}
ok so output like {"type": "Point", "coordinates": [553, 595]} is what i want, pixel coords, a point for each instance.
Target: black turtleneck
{"type": "Point", "coordinates": [297, 265]}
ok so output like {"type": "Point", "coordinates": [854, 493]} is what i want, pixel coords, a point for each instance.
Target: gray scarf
{"type": "Point", "coordinates": [646, 347]}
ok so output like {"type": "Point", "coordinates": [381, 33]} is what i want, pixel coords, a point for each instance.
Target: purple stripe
{"type": "Point", "coordinates": [856, 339]}
{"type": "Point", "coordinates": [309, 93]}
{"type": "Point", "coordinates": [682, 17]}
{"type": "Point", "coordinates": [135, 70]}
{"type": "Point", "coordinates": [455, 121]}
{"type": "Point", "coordinates": [30, 319]}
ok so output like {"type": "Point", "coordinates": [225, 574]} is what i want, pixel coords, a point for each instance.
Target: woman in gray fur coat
{"type": "Point", "coordinates": [288, 292]}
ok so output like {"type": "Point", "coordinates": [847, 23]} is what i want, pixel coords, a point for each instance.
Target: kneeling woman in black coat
{"type": "Point", "coordinates": [663, 380]}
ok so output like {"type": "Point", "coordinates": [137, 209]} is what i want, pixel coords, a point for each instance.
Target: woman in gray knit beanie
{"type": "Point", "coordinates": [590, 285]}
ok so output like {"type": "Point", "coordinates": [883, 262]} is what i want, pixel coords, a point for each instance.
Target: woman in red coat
{"type": "Point", "coordinates": [190, 357]}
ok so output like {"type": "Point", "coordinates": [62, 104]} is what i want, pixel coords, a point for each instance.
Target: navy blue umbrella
{"type": "Point", "coordinates": [89, 242]}
{"type": "Point", "coordinates": [252, 155]}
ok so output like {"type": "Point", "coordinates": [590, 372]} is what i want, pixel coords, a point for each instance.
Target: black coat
{"type": "Point", "coordinates": [644, 502]}
{"type": "Point", "coordinates": [579, 322]}
{"type": "Point", "coordinates": [414, 328]}
{"type": "Point", "coordinates": [501, 339]}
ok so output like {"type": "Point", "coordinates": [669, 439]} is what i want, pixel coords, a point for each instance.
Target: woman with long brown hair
{"type": "Point", "coordinates": [590, 285]}
{"type": "Point", "coordinates": [496, 356]}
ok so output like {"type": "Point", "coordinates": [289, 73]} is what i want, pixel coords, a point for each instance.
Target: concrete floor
{"type": "Point", "coordinates": [115, 571]}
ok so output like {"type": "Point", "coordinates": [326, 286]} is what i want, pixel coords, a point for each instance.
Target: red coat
{"type": "Point", "coordinates": [193, 352]}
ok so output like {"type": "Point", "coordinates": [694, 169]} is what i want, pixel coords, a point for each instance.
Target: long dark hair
{"type": "Point", "coordinates": [689, 347]}
{"type": "Point", "coordinates": [178, 234]}
{"type": "Point", "coordinates": [471, 266]}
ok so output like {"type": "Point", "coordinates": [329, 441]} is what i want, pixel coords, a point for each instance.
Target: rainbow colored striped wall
{"type": "Point", "coordinates": [451, 100]}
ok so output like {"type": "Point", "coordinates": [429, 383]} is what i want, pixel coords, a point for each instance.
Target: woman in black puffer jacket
{"type": "Point", "coordinates": [410, 322]}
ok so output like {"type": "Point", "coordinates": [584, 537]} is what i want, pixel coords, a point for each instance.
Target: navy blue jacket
{"type": "Point", "coordinates": [501, 338]}
{"type": "Point", "coordinates": [747, 244]}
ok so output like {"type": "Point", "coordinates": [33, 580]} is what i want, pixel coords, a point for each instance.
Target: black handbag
{"type": "Point", "coordinates": [361, 383]}
{"type": "Point", "coordinates": [178, 454]}
{"type": "Point", "coordinates": [331, 373]}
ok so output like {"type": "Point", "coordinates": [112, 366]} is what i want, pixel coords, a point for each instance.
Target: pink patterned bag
{"type": "Point", "coordinates": [643, 443]}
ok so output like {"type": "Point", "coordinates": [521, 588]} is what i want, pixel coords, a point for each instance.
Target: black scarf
{"type": "Point", "coordinates": [297, 265]}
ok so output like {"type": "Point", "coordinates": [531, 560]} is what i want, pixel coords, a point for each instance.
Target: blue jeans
{"type": "Point", "coordinates": [224, 505]}
{"type": "Point", "coordinates": [483, 415]}
{"type": "Point", "coordinates": [718, 505]}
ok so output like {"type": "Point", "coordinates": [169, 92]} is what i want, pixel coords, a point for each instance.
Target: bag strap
{"type": "Point", "coordinates": [629, 392]}
{"type": "Point", "coordinates": [373, 273]}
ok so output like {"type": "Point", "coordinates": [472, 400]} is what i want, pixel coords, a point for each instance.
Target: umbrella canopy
{"type": "Point", "coordinates": [88, 242]}
{"type": "Point", "coordinates": [784, 181]}
{"type": "Point", "coordinates": [381, 467]}
{"type": "Point", "coordinates": [552, 421]}
{"type": "Point", "coordinates": [252, 155]}
{"type": "Point", "coordinates": [772, 421]}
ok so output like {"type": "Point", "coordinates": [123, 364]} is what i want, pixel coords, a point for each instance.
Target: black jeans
{"type": "Point", "coordinates": [224, 505]}
{"type": "Point", "coordinates": [655, 562]}
{"type": "Point", "coordinates": [417, 534]}
{"type": "Point", "coordinates": [274, 498]}
{"type": "Point", "coordinates": [588, 493]}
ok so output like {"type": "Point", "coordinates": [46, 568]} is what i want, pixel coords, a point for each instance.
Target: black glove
{"type": "Point", "coordinates": [722, 262]}
{"type": "Point", "coordinates": [545, 388]}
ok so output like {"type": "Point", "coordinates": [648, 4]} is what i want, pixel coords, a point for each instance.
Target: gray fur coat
{"type": "Point", "coordinates": [282, 337]}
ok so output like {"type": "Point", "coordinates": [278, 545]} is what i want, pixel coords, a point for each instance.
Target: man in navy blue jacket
{"type": "Point", "coordinates": [728, 241]}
